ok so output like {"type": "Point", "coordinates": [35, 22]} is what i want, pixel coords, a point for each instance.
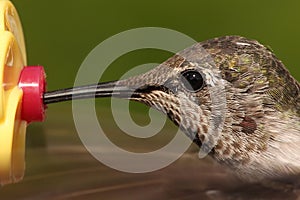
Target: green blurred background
{"type": "Point", "coordinates": [60, 34]}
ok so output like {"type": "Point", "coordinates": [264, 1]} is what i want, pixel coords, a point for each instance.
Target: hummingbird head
{"type": "Point", "coordinates": [188, 88]}
{"type": "Point", "coordinates": [223, 93]}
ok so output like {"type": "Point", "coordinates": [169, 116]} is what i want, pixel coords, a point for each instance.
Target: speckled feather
{"type": "Point", "coordinates": [260, 135]}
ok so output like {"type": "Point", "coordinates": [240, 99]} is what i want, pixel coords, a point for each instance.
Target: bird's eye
{"type": "Point", "coordinates": [192, 80]}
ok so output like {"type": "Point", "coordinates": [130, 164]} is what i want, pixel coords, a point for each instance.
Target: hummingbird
{"type": "Point", "coordinates": [231, 95]}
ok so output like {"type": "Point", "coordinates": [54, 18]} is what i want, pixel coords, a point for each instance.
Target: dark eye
{"type": "Point", "coordinates": [192, 80]}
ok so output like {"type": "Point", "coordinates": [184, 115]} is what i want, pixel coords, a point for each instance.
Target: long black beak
{"type": "Point", "coordinates": [107, 89]}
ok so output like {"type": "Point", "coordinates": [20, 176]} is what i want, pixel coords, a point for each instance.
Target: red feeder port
{"type": "Point", "coordinates": [33, 83]}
